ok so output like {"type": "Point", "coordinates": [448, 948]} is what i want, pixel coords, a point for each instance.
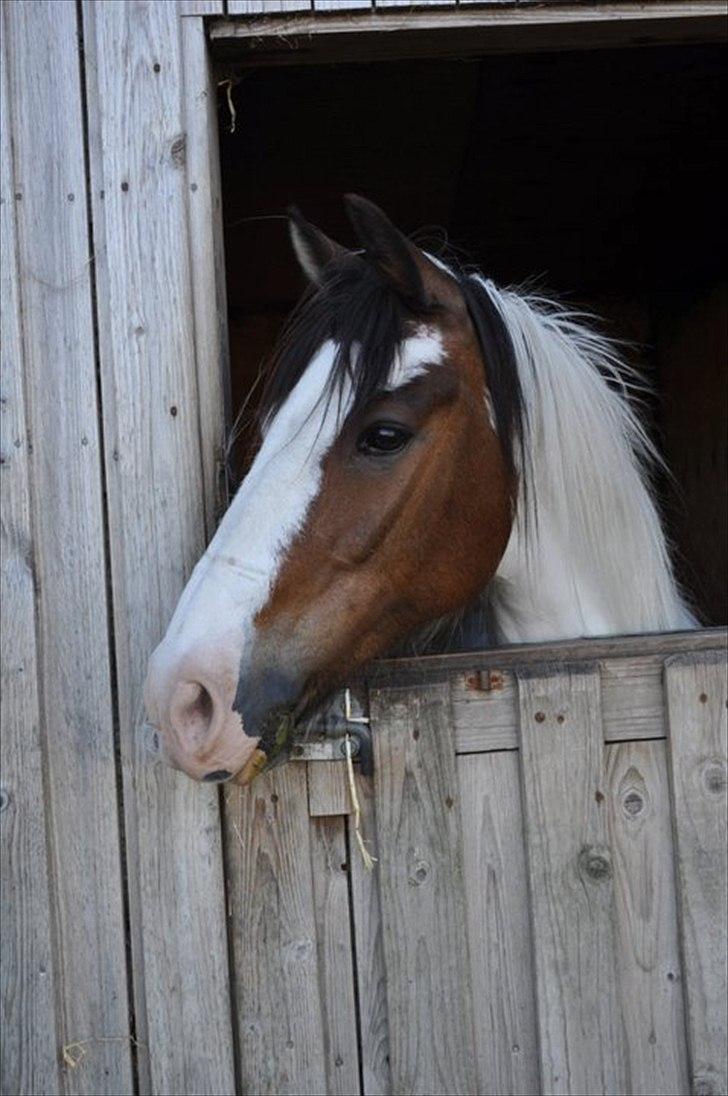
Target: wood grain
{"type": "Point", "coordinates": [571, 883]}
{"type": "Point", "coordinates": [328, 788]}
{"type": "Point", "coordinates": [330, 867]}
{"type": "Point", "coordinates": [273, 928]}
{"type": "Point", "coordinates": [369, 949]}
{"type": "Point", "coordinates": [420, 874]}
{"type": "Point", "coordinates": [139, 107]}
{"type": "Point", "coordinates": [650, 981]}
{"type": "Point", "coordinates": [485, 705]}
{"type": "Point", "coordinates": [79, 778]}
{"type": "Point", "coordinates": [209, 299]}
{"type": "Point", "coordinates": [499, 928]}
{"type": "Point", "coordinates": [696, 698]}
{"type": "Point", "coordinates": [29, 1062]}
{"type": "Point", "coordinates": [267, 7]}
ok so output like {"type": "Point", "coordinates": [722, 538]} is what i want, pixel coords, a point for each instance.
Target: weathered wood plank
{"type": "Point", "coordinates": [273, 927]}
{"type": "Point", "coordinates": [485, 704]}
{"type": "Point", "coordinates": [370, 969]}
{"type": "Point", "coordinates": [342, 5]}
{"type": "Point", "coordinates": [499, 929]}
{"type": "Point", "coordinates": [204, 204]}
{"type": "Point", "coordinates": [328, 788]}
{"type": "Point", "coordinates": [137, 120]}
{"type": "Point", "coordinates": [200, 7]}
{"type": "Point", "coordinates": [329, 865]}
{"type": "Point", "coordinates": [267, 7]}
{"type": "Point", "coordinates": [571, 883]}
{"type": "Point", "coordinates": [420, 873]}
{"type": "Point", "coordinates": [29, 1062]}
{"type": "Point", "coordinates": [55, 263]}
{"type": "Point", "coordinates": [696, 698]}
{"type": "Point", "coordinates": [650, 982]}
{"type": "Point", "coordinates": [426, 668]}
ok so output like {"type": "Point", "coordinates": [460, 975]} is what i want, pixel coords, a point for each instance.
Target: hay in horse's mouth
{"type": "Point", "coordinates": [277, 732]}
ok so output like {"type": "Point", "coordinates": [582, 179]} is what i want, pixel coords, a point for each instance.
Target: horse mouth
{"type": "Point", "coordinates": [273, 746]}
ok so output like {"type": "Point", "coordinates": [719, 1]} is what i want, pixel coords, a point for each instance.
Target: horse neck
{"type": "Point", "coordinates": [587, 555]}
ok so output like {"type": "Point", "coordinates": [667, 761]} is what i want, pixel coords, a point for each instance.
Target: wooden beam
{"type": "Point", "coordinates": [364, 35]}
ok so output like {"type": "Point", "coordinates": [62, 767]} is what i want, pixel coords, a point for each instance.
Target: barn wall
{"type": "Point", "coordinates": [113, 446]}
{"type": "Point", "coordinates": [153, 943]}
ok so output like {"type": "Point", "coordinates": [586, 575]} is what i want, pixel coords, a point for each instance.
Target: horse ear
{"type": "Point", "coordinates": [398, 261]}
{"type": "Point", "coordinates": [313, 248]}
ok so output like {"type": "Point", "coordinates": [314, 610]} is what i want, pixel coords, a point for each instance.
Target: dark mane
{"type": "Point", "coordinates": [363, 316]}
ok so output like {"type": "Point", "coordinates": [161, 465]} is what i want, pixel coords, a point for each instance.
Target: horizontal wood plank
{"type": "Point", "coordinates": [485, 705]}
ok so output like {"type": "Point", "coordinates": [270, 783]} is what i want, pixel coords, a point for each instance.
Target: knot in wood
{"type": "Point", "coordinates": [634, 804]}
{"type": "Point", "coordinates": [418, 873]}
{"type": "Point", "coordinates": [714, 776]}
{"type": "Point", "coordinates": [178, 150]}
{"type": "Point", "coordinates": [4, 799]}
{"type": "Point", "coordinates": [705, 1085]}
{"type": "Point", "coordinates": [594, 862]}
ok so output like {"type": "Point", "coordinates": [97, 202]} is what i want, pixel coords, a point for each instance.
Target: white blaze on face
{"type": "Point", "coordinates": [232, 581]}
{"type": "Point", "coordinates": [214, 620]}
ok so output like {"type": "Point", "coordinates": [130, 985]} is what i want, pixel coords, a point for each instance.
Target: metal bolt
{"type": "Point", "coordinates": [353, 744]}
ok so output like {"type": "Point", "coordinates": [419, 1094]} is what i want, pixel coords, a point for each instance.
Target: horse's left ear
{"type": "Point", "coordinates": [412, 275]}
{"type": "Point", "coordinates": [314, 249]}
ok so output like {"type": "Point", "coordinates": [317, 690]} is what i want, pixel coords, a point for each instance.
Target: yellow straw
{"type": "Point", "coordinates": [368, 859]}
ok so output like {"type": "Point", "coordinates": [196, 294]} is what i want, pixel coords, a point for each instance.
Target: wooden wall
{"type": "Point", "coordinates": [159, 940]}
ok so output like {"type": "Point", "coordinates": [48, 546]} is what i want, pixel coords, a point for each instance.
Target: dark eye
{"type": "Point", "coordinates": [383, 438]}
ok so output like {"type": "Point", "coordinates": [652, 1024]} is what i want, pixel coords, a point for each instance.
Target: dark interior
{"type": "Point", "coordinates": [597, 174]}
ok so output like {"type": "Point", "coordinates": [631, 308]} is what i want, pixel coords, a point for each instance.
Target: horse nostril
{"type": "Point", "coordinates": [192, 712]}
{"type": "Point", "coordinates": [217, 777]}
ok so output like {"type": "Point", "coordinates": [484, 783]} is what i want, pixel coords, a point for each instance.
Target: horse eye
{"type": "Point", "coordinates": [383, 439]}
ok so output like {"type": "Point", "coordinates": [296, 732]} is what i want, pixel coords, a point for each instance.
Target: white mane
{"type": "Point", "coordinates": [587, 555]}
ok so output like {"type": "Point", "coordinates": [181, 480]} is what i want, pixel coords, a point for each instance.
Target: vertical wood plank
{"type": "Point", "coordinates": [696, 701]}
{"type": "Point", "coordinates": [139, 107]}
{"type": "Point", "coordinates": [650, 982]}
{"type": "Point", "coordinates": [420, 873]}
{"type": "Point", "coordinates": [55, 263]}
{"type": "Point", "coordinates": [330, 867]}
{"type": "Point", "coordinates": [209, 298]}
{"type": "Point", "coordinates": [29, 1060]}
{"type": "Point", "coordinates": [270, 890]}
{"type": "Point", "coordinates": [328, 788]}
{"type": "Point", "coordinates": [370, 969]}
{"type": "Point", "coordinates": [571, 882]}
{"type": "Point", "coordinates": [499, 928]}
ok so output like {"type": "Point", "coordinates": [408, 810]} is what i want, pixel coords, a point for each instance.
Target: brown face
{"type": "Point", "coordinates": [412, 519]}
{"type": "Point", "coordinates": [347, 536]}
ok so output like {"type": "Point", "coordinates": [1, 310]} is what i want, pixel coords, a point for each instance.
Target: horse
{"type": "Point", "coordinates": [431, 445]}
